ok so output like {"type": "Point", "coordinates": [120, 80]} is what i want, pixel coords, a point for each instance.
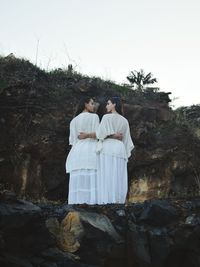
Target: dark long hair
{"type": "Point", "coordinates": [81, 105]}
{"type": "Point", "coordinates": [118, 103]}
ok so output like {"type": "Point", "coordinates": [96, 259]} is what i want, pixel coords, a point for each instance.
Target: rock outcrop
{"type": "Point", "coordinates": [36, 108]}
{"type": "Point", "coordinates": [156, 233]}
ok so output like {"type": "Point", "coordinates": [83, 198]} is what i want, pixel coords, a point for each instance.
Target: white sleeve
{"type": "Point", "coordinates": [105, 128]}
{"type": "Point", "coordinates": [73, 134]}
{"type": "Point", "coordinates": [128, 143]}
{"type": "Point", "coordinates": [96, 122]}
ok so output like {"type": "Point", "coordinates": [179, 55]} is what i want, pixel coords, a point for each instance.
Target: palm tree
{"type": "Point", "coordinates": [140, 79]}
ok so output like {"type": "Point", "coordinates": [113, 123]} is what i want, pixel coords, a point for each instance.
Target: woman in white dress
{"type": "Point", "coordinates": [81, 161]}
{"type": "Point", "coordinates": [113, 154]}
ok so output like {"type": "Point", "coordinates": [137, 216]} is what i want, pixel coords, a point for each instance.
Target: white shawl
{"type": "Point", "coordinates": [83, 152]}
{"type": "Point", "coordinates": [115, 123]}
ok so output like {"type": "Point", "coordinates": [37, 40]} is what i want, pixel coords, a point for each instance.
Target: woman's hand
{"type": "Point", "coordinates": [83, 135]}
{"type": "Point", "coordinates": [118, 136]}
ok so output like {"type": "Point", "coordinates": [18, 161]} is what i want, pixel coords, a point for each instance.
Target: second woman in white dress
{"type": "Point", "coordinates": [113, 154]}
{"type": "Point", "coordinates": [81, 161]}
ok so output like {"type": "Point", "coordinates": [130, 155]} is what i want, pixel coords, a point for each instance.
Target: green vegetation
{"type": "Point", "coordinates": [140, 81]}
{"type": "Point", "coordinates": [190, 117]}
{"type": "Point", "coordinates": [61, 81]}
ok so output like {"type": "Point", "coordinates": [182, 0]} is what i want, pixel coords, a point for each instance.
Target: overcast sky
{"type": "Point", "coordinates": [109, 38]}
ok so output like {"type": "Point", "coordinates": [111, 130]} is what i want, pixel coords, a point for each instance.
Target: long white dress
{"type": "Point", "coordinates": [81, 161]}
{"type": "Point", "coordinates": [112, 180]}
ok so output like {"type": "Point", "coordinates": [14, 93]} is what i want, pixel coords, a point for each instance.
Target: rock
{"type": "Point", "coordinates": [102, 223]}
{"type": "Point", "coordinates": [2, 242]}
{"type": "Point", "coordinates": [15, 261]}
{"type": "Point", "coordinates": [92, 234]}
{"type": "Point", "coordinates": [121, 213]}
{"type": "Point", "coordinates": [53, 226]}
{"type": "Point", "coordinates": [18, 214]}
{"type": "Point", "coordinates": [49, 264]}
{"type": "Point", "coordinates": [37, 261]}
{"type": "Point", "coordinates": [74, 227]}
{"type": "Point", "coordinates": [59, 257]}
{"type": "Point", "coordinates": [63, 209]}
{"type": "Point", "coordinates": [158, 213]}
{"type": "Point", "coordinates": [160, 245]}
{"type": "Point", "coordinates": [138, 246]}
{"type": "Point", "coordinates": [192, 220]}
{"type": "Point", "coordinates": [7, 196]}
{"type": "Point", "coordinates": [66, 238]}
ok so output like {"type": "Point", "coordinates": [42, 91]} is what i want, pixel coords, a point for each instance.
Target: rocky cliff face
{"type": "Point", "coordinates": [156, 233]}
{"type": "Point", "coordinates": [36, 108]}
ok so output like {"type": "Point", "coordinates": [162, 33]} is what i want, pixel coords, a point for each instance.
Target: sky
{"type": "Point", "coordinates": [110, 38]}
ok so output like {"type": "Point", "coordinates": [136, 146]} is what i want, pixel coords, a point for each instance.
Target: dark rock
{"type": "Point", "coordinates": [192, 220]}
{"type": "Point", "coordinates": [107, 235]}
{"type": "Point", "coordinates": [158, 213]}
{"type": "Point", "coordinates": [49, 264]}
{"type": "Point", "coordinates": [18, 214]}
{"type": "Point", "coordinates": [138, 246]}
{"type": "Point", "coordinates": [37, 261]}
{"type": "Point", "coordinates": [10, 260]}
{"type": "Point", "coordinates": [160, 245]}
{"type": "Point", "coordinates": [7, 196]}
{"type": "Point", "coordinates": [79, 231]}
{"type": "Point", "coordinates": [121, 213]}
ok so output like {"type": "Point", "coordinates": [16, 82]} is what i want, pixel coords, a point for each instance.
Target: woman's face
{"type": "Point", "coordinates": [90, 106]}
{"type": "Point", "coordinates": [110, 107]}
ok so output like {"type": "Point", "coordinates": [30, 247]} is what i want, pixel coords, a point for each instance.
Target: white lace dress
{"type": "Point", "coordinates": [112, 180]}
{"type": "Point", "coordinates": [81, 161]}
